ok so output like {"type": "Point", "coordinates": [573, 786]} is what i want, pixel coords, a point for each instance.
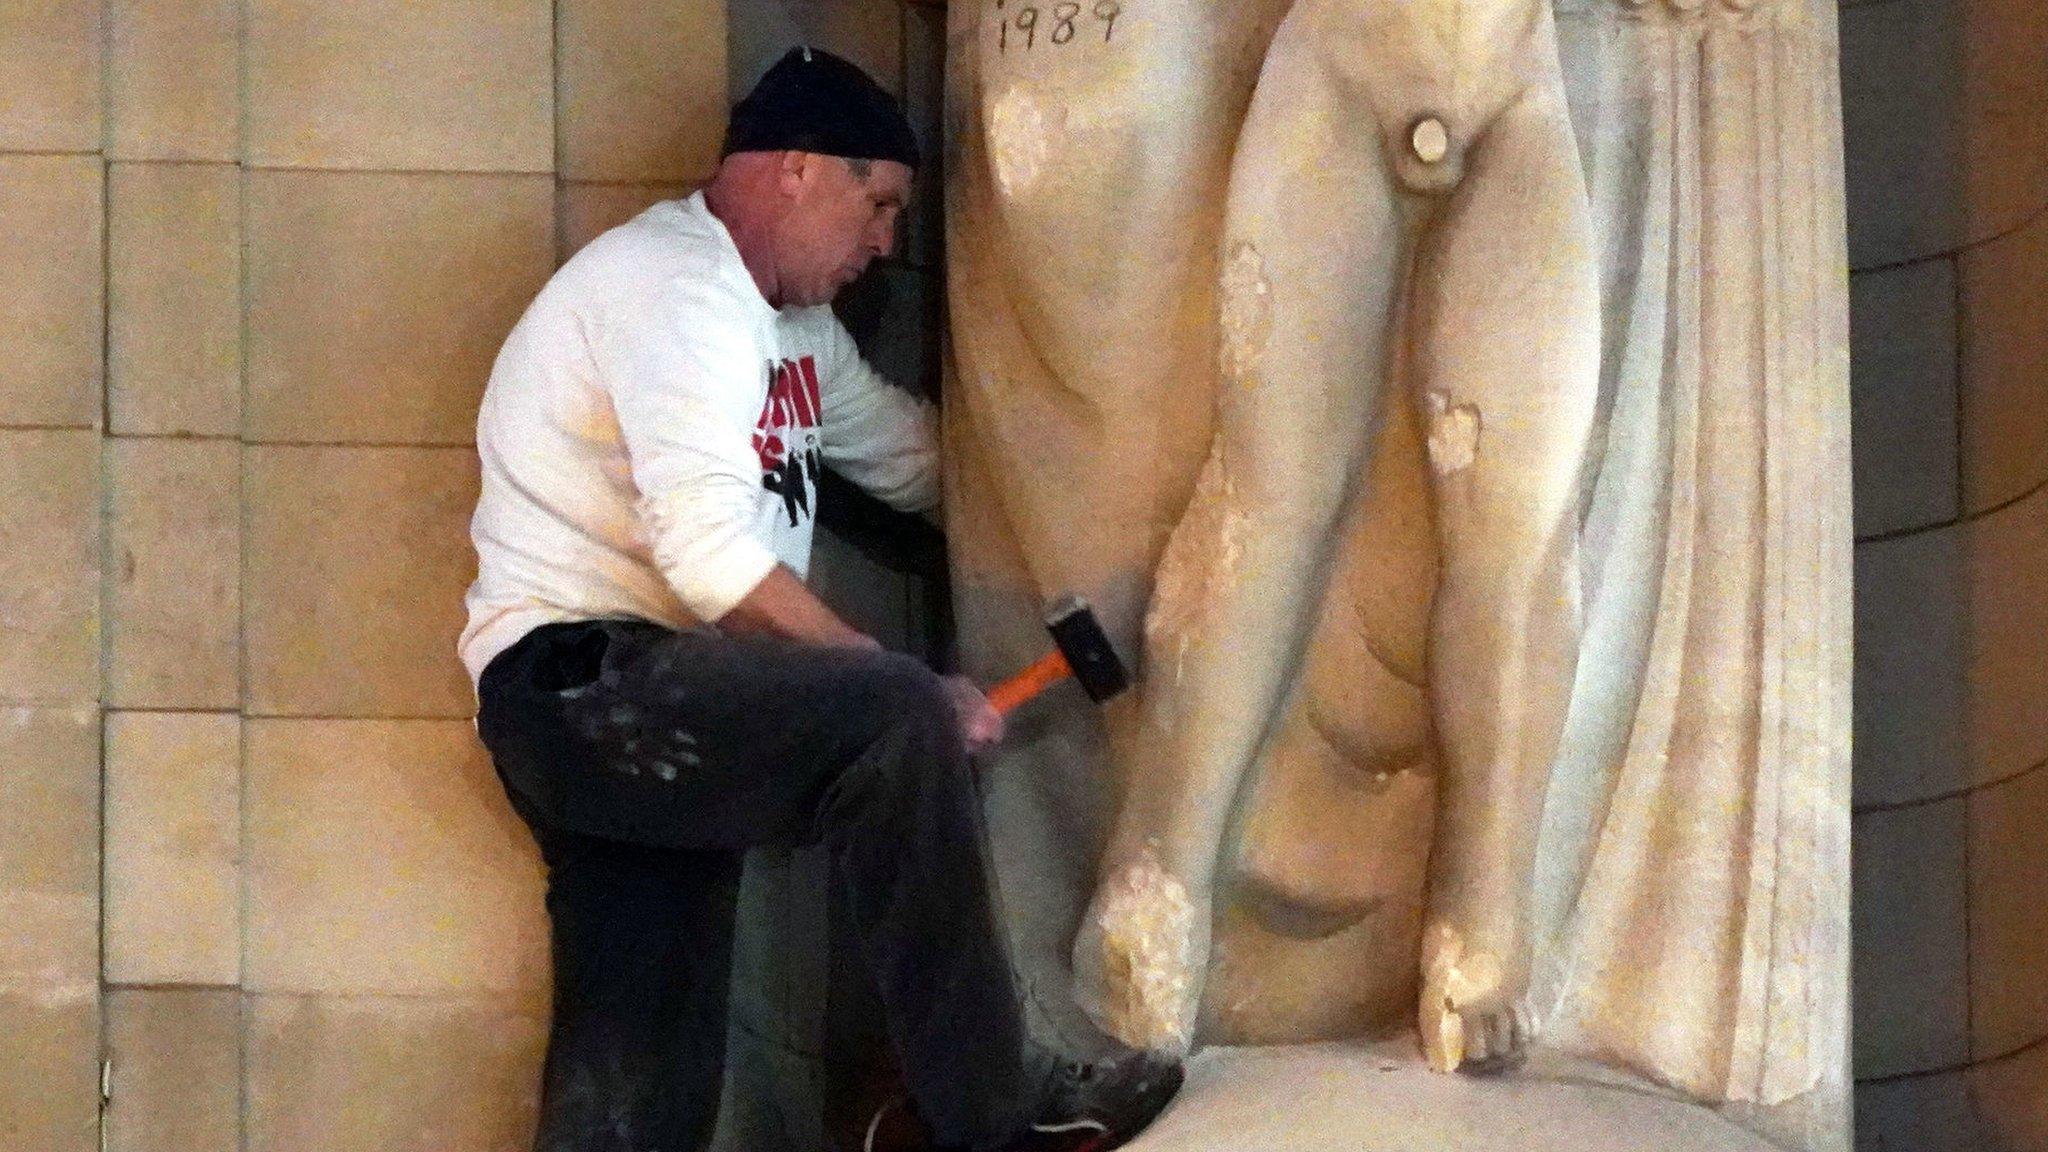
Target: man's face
{"type": "Point", "coordinates": [837, 223]}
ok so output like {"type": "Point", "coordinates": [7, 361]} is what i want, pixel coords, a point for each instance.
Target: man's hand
{"type": "Point", "coordinates": [981, 726]}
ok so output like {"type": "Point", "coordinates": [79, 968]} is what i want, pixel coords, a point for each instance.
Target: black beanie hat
{"type": "Point", "coordinates": [813, 101]}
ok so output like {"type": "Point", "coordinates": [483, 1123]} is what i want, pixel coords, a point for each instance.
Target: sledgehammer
{"type": "Point", "coordinates": [1080, 649]}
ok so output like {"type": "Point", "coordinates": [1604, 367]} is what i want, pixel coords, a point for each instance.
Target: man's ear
{"type": "Point", "coordinates": [791, 172]}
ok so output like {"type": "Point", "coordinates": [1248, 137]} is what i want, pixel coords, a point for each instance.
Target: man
{"type": "Point", "coordinates": [660, 691]}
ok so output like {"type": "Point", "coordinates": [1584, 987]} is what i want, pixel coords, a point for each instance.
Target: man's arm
{"type": "Point", "coordinates": [875, 434]}
{"type": "Point", "coordinates": [681, 368]}
{"type": "Point", "coordinates": [780, 605]}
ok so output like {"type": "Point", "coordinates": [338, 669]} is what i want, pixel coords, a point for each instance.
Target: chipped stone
{"type": "Point", "coordinates": [1019, 139]}
{"type": "Point", "coordinates": [1202, 556]}
{"type": "Point", "coordinates": [1145, 922]}
{"type": "Point", "coordinates": [1247, 319]}
{"type": "Point", "coordinates": [1442, 1028]}
{"type": "Point", "coordinates": [1430, 140]}
{"type": "Point", "coordinates": [1453, 435]}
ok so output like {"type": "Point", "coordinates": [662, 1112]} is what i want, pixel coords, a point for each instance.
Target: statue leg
{"type": "Point", "coordinates": [1089, 151]}
{"type": "Point", "coordinates": [1507, 363]}
{"type": "Point", "coordinates": [1313, 252]}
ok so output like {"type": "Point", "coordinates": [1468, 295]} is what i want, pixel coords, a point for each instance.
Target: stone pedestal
{"type": "Point", "coordinates": [1381, 1097]}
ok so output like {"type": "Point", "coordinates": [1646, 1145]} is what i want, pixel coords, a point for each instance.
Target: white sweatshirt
{"type": "Point", "coordinates": [652, 433]}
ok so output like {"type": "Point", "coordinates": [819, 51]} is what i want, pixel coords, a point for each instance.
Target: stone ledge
{"type": "Point", "coordinates": [1380, 1097]}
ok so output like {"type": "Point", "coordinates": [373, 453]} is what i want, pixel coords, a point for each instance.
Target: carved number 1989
{"type": "Point", "coordinates": [1058, 25]}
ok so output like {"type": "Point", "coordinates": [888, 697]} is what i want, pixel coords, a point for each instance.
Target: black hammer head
{"type": "Point", "coordinates": [1082, 641]}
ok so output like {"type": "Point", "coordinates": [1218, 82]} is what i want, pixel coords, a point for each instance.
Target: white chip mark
{"type": "Point", "coordinates": [1453, 435]}
{"type": "Point", "coordinates": [1146, 922]}
{"type": "Point", "coordinates": [1247, 313]}
{"type": "Point", "coordinates": [1019, 139]}
{"type": "Point", "coordinates": [1430, 140]}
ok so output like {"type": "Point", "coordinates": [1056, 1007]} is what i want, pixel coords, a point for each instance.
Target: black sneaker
{"type": "Point", "coordinates": [1102, 1104]}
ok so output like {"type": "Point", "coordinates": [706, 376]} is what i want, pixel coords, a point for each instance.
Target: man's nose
{"type": "Point", "coordinates": [882, 237]}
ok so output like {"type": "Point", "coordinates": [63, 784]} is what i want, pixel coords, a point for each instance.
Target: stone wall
{"type": "Point", "coordinates": [259, 255]}
{"type": "Point", "coordinates": [1946, 104]}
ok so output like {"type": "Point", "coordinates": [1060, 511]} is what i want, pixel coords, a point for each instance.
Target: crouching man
{"type": "Point", "coordinates": [660, 691]}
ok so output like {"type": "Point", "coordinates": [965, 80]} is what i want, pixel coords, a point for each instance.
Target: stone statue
{"type": "Point", "coordinates": [1410, 165]}
{"type": "Point", "coordinates": [1474, 491]}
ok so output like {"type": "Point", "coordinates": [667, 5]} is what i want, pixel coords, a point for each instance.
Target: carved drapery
{"type": "Point", "coordinates": [1695, 872]}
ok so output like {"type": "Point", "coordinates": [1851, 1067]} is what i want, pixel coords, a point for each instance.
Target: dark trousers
{"type": "Point", "coordinates": [646, 761]}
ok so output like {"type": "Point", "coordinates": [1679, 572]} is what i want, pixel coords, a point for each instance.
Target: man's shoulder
{"type": "Point", "coordinates": [660, 243]}
{"type": "Point", "coordinates": [652, 259]}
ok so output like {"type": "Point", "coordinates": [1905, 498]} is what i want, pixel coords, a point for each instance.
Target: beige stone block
{"type": "Point", "coordinates": [2008, 919]}
{"type": "Point", "coordinates": [174, 537]}
{"type": "Point", "coordinates": [437, 1074]}
{"type": "Point", "coordinates": [49, 945]}
{"type": "Point", "coordinates": [1911, 939]}
{"type": "Point", "coordinates": [174, 842]}
{"type": "Point", "coordinates": [781, 955]}
{"type": "Point", "coordinates": [173, 81]}
{"type": "Point", "coordinates": [383, 858]}
{"type": "Point", "coordinates": [867, 32]}
{"type": "Point", "coordinates": [49, 1047]}
{"type": "Point", "coordinates": [591, 210]}
{"type": "Point", "coordinates": [1912, 656]}
{"type": "Point", "coordinates": [2007, 607]}
{"type": "Point", "coordinates": [50, 70]}
{"type": "Point", "coordinates": [758, 34]}
{"type": "Point", "coordinates": [642, 89]}
{"type": "Point", "coordinates": [50, 316]}
{"type": "Point", "coordinates": [439, 85]}
{"type": "Point", "coordinates": [49, 844]}
{"type": "Point", "coordinates": [1941, 107]}
{"type": "Point", "coordinates": [1902, 373]}
{"type": "Point", "coordinates": [2005, 365]}
{"type": "Point", "coordinates": [174, 323]}
{"type": "Point", "coordinates": [1918, 1114]}
{"type": "Point", "coordinates": [2011, 1098]}
{"type": "Point", "coordinates": [357, 559]}
{"type": "Point", "coordinates": [377, 302]}
{"type": "Point", "coordinates": [1902, 124]}
{"type": "Point", "coordinates": [1950, 686]}
{"type": "Point", "coordinates": [771, 1098]}
{"type": "Point", "coordinates": [177, 1077]}
{"type": "Point", "coordinates": [49, 566]}
{"type": "Point", "coordinates": [2004, 78]}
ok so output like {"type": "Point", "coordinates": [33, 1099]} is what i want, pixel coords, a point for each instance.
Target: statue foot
{"type": "Point", "coordinates": [1474, 1015]}
{"type": "Point", "coordinates": [1140, 956]}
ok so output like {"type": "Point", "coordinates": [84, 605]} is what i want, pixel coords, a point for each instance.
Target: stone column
{"type": "Point", "coordinates": [1947, 116]}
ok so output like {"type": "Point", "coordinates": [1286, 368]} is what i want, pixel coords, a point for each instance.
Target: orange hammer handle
{"type": "Point", "coordinates": [1025, 685]}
